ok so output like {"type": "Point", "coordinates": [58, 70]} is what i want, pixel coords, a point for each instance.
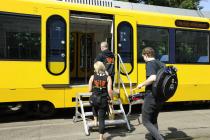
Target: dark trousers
{"type": "Point", "coordinates": [100, 113]}
{"type": "Point", "coordinates": [150, 111]}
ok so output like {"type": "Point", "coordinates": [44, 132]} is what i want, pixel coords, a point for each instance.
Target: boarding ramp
{"type": "Point", "coordinates": [82, 104]}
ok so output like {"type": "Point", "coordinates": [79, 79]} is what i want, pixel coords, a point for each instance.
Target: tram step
{"type": "Point", "coordinates": [87, 114]}
{"type": "Point", "coordinates": [117, 102]}
{"type": "Point", "coordinates": [107, 122]}
{"type": "Point", "coordinates": [115, 122]}
{"type": "Point", "coordinates": [86, 103]}
{"type": "Point", "coordinates": [85, 94]}
{"type": "Point", "coordinates": [117, 111]}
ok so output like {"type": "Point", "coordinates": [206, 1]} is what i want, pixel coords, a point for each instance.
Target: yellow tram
{"type": "Point", "coordinates": [47, 48]}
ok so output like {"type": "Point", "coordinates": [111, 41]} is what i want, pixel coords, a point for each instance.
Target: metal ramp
{"type": "Point", "coordinates": [82, 101]}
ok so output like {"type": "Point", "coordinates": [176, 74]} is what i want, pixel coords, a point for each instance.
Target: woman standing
{"type": "Point", "coordinates": [100, 84]}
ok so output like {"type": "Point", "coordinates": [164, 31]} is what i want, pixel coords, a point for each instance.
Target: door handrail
{"type": "Point", "coordinates": [120, 81]}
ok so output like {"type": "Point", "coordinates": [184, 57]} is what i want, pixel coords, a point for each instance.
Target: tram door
{"type": "Point", "coordinates": [86, 33]}
{"type": "Point", "coordinates": [81, 60]}
{"type": "Point", "coordinates": [126, 46]}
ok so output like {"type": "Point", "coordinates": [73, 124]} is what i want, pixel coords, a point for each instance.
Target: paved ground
{"type": "Point", "coordinates": [174, 125]}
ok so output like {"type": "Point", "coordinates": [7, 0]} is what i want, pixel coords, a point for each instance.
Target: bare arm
{"type": "Point", "coordinates": [90, 83]}
{"type": "Point", "coordinates": [148, 81]}
{"type": "Point", "coordinates": [109, 87]}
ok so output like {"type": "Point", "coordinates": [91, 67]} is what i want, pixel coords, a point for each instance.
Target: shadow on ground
{"type": "Point", "coordinates": [121, 131]}
{"type": "Point", "coordinates": [176, 134]}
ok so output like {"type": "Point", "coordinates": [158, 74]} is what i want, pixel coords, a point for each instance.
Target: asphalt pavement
{"type": "Point", "coordinates": [174, 124]}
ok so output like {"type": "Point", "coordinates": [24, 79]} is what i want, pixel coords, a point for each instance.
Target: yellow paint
{"type": "Point", "coordinates": [132, 21]}
{"type": "Point", "coordinates": [56, 67]}
{"type": "Point", "coordinates": [23, 80]}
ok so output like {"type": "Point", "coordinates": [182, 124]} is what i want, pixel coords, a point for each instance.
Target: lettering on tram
{"type": "Point", "coordinates": [192, 24]}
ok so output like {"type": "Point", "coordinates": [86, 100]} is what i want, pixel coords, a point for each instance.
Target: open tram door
{"type": "Point", "coordinates": [87, 31]}
{"type": "Point", "coordinates": [126, 43]}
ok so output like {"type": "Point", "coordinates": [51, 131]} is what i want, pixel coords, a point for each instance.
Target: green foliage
{"type": "Point", "coordinates": [186, 4]}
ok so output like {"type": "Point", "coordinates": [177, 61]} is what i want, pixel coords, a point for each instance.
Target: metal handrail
{"type": "Point", "coordinates": [120, 81]}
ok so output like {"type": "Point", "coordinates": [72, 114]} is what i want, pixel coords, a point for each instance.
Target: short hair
{"type": "Point", "coordinates": [150, 52]}
{"type": "Point", "coordinates": [99, 67]}
{"type": "Point", "coordinates": [104, 44]}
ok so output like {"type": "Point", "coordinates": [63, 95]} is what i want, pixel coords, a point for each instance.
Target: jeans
{"type": "Point", "coordinates": [150, 111]}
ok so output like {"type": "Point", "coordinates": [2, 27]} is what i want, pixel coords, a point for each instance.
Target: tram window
{"type": "Point", "coordinates": [20, 37]}
{"type": "Point", "coordinates": [125, 44]}
{"type": "Point", "coordinates": [56, 45]}
{"type": "Point", "coordinates": [156, 38]}
{"type": "Point", "coordinates": [192, 47]}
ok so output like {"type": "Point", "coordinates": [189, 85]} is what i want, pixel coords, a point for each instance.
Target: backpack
{"type": "Point", "coordinates": [99, 96]}
{"type": "Point", "coordinates": [166, 82]}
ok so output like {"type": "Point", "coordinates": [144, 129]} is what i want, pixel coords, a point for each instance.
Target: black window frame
{"type": "Point", "coordinates": [50, 19]}
{"type": "Point", "coordinates": [192, 30]}
{"type": "Point", "coordinates": [19, 15]}
{"type": "Point", "coordinates": [169, 45]}
{"type": "Point", "coordinates": [131, 44]}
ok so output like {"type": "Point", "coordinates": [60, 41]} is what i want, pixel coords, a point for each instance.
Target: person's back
{"type": "Point", "coordinates": [109, 61]}
{"type": "Point", "coordinates": [107, 57]}
{"type": "Point", "coordinates": [100, 83]}
{"type": "Point", "coordinates": [100, 86]}
{"type": "Point", "coordinates": [152, 67]}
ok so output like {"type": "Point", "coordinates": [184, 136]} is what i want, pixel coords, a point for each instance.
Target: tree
{"type": "Point", "coordinates": [186, 4]}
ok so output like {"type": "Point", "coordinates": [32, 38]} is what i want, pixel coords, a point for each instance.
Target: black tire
{"type": "Point", "coordinates": [45, 109]}
{"type": "Point", "coordinates": [30, 108]}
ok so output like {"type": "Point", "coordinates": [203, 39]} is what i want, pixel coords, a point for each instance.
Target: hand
{"type": "Point", "coordinates": [139, 86]}
{"type": "Point", "coordinates": [109, 101]}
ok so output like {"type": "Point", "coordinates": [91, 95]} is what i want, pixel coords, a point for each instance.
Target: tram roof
{"type": "Point", "coordinates": [142, 7]}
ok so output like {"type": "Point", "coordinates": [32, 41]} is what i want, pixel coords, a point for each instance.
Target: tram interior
{"type": "Point", "coordinates": [86, 35]}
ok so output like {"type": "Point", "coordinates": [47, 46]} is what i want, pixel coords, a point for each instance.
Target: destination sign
{"type": "Point", "coordinates": [192, 24]}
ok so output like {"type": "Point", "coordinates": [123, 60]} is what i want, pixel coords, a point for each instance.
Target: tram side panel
{"type": "Point", "coordinates": [23, 57]}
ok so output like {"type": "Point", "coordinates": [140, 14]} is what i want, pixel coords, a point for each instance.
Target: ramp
{"type": "Point", "coordinates": [82, 102]}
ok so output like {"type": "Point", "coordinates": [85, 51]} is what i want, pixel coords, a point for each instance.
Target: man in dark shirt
{"type": "Point", "coordinates": [151, 106]}
{"type": "Point", "coordinates": [107, 57]}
